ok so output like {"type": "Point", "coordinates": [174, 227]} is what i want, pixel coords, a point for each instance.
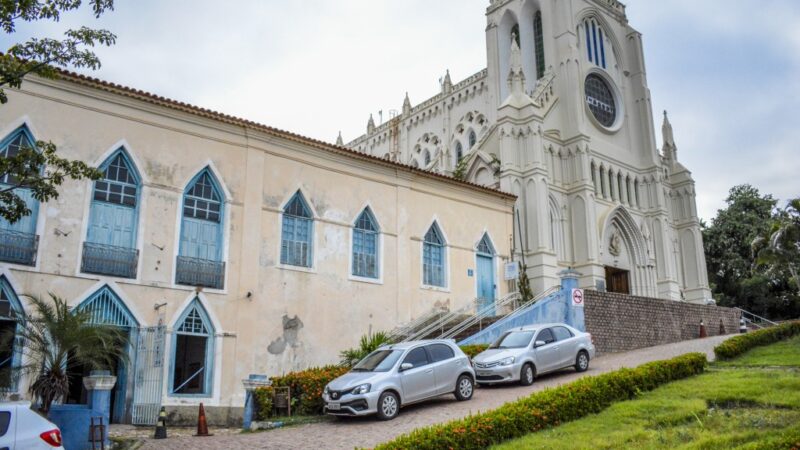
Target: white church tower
{"type": "Point", "coordinates": [562, 118]}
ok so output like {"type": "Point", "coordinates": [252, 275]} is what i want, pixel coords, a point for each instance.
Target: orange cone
{"type": "Point", "coordinates": [702, 331]}
{"type": "Point", "coordinates": [202, 425]}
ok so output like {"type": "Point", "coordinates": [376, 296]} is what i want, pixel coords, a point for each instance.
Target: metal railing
{"type": "Point", "coordinates": [111, 260]}
{"type": "Point", "coordinates": [756, 320]}
{"type": "Point", "coordinates": [408, 328]}
{"type": "Point", "coordinates": [489, 311]}
{"type": "Point", "coordinates": [18, 248]}
{"type": "Point", "coordinates": [200, 272]}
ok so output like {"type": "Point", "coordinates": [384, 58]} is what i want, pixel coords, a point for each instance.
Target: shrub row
{"type": "Point", "coordinates": [550, 407]}
{"type": "Point", "coordinates": [737, 345]}
{"type": "Point", "coordinates": [474, 349]}
{"type": "Point", "coordinates": [306, 387]}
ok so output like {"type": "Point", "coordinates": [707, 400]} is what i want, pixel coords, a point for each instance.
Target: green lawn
{"type": "Point", "coordinates": [729, 407]}
{"type": "Point", "coordinates": [785, 353]}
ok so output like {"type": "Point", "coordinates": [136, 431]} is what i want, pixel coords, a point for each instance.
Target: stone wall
{"type": "Point", "coordinates": [621, 322]}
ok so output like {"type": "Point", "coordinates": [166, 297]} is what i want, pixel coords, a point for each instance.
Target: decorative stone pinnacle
{"type": "Point", "coordinates": [339, 140]}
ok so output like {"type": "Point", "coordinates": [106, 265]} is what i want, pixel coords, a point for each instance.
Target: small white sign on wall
{"type": "Point", "coordinates": [511, 270]}
{"type": "Point", "coordinates": [577, 298]}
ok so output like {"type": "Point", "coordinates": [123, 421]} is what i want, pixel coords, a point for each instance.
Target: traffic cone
{"type": "Point", "coordinates": [161, 425]}
{"type": "Point", "coordinates": [703, 329]}
{"type": "Point", "coordinates": [202, 425]}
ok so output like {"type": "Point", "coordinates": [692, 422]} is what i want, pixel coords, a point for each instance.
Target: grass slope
{"type": "Point", "coordinates": [745, 403]}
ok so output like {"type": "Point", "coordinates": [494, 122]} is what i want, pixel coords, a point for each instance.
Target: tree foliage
{"type": "Point", "coordinates": [736, 279]}
{"type": "Point", "coordinates": [42, 57]}
{"type": "Point", "coordinates": [778, 250]}
{"type": "Point", "coordinates": [55, 339]}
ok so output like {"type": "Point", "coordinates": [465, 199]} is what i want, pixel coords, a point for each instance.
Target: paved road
{"type": "Point", "coordinates": [367, 432]}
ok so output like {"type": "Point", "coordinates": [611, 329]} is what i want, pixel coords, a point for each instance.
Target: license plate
{"type": "Point", "coordinates": [484, 374]}
{"type": "Point", "coordinates": [334, 406]}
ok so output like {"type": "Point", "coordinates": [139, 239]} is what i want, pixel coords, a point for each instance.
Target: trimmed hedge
{"type": "Point", "coordinates": [550, 407]}
{"type": "Point", "coordinates": [306, 389]}
{"type": "Point", "coordinates": [474, 349]}
{"type": "Point", "coordinates": [737, 345]}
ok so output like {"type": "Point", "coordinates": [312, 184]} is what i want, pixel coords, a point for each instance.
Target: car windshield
{"type": "Point", "coordinates": [378, 361]}
{"type": "Point", "coordinates": [514, 339]}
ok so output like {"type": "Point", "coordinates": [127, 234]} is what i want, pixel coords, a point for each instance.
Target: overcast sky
{"type": "Point", "coordinates": [728, 71]}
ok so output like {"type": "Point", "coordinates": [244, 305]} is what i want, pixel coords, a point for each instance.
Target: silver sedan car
{"type": "Point", "coordinates": [522, 353]}
{"type": "Point", "coordinates": [400, 374]}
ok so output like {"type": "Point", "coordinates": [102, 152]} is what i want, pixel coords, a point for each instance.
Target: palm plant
{"type": "Point", "coordinates": [779, 248]}
{"type": "Point", "coordinates": [368, 344]}
{"type": "Point", "coordinates": [57, 338]}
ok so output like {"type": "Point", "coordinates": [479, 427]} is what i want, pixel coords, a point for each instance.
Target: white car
{"type": "Point", "coordinates": [522, 353]}
{"type": "Point", "coordinates": [22, 428]}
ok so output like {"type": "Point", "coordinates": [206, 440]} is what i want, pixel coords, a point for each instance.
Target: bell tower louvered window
{"type": "Point", "coordinates": [365, 246]}
{"type": "Point", "coordinates": [110, 247]}
{"type": "Point", "coordinates": [193, 353]}
{"type": "Point", "coordinates": [297, 233]}
{"type": "Point", "coordinates": [433, 258]}
{"type": "Point", "coordinates": [200, 256]}
{"type": "Point", "coordinates": [595, 42]}
{"type": "Point", "coordinates": [538, 43]}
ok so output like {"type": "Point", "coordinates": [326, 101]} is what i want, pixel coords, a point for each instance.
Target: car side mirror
{"type": "Point", "coordinates": [539, 344]}
{"type": "Point", "coordinates": [406, 366]}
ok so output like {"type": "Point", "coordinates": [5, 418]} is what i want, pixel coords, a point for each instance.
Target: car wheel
{"type": "Point", "coordinates": [527, 374]}
{"type": "Point", "coordinates": [582, 361]}
{"type": "Point", "coordinates": [464, 388]}
{"type": "Point", "coordinates": [388, 406]}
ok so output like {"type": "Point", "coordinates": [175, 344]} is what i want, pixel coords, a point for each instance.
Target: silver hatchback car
{"type": "Point", "coordinates": [522, 353]}
{"type": "Point", "coordinates": [400, 374]}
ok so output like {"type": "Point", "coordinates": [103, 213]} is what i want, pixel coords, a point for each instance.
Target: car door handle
{"type": "Point", "coordinates": [429, 371]}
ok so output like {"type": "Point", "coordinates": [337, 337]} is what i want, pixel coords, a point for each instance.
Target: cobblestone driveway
{"type": "Point", "coordinates": [368, 432]}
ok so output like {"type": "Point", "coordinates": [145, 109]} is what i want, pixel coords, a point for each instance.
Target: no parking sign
{"type": "Point", "coordinates": [577, 298]}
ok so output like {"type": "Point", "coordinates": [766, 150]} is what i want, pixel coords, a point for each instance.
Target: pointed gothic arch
{"type": "Point", "coordinates": [18, 240]}
{"type": "Point", "coordinates": [192, 360]}
{"type": "Point", "coordinates": [624, 248]}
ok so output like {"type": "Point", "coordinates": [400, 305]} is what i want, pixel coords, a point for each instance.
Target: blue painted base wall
{"type": "Point", "coordinates": [73, 421]}
{"type": "Point", "coordinates": [556, 307]}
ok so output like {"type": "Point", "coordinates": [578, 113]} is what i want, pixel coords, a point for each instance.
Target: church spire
{"type": "Point", "coordinates": [406, 105]}
{"type": "Point", "coordinates": [670, 150]}
{"type": "Point", "coordinates": [370, 125]}
{"type": "Point", "coordinates": [339, 140]}
{"type": "Point", "coordinates": [516, 79]}
{"type": "Point", "coordinates": [447, 84]}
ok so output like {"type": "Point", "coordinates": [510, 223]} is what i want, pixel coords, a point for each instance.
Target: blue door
{"type": "Point", "coordinates": [486, 283]}
{"type": "Point", "coordinates": [25, 224]}
{"type": "Point", "coordinates": [200, 239]}
{"type": "Point", "coordinates": [112, 224]}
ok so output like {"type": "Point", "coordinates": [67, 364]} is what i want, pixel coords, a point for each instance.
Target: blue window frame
{"type": "Point", "coordinates": [433, 257]}
{"type": "Point", "coordinates": [192, 367]}
{"type": "Point", "coordinates": [18, 240]}
{"type": "Point", "coordinates": [365, 246]}
{"type": "Point", "coordinates": [105, 307]}
{"type": "Point", "coordinates": [297, 233]}
{"type": "Point", "coordinates": [10, 352]}
{"type": "Point", "coordinates": [200, 253]}
{"type": "Point", "coordinates": [113, 218]}
{"type": "Point", "coordinates": [485, 246]}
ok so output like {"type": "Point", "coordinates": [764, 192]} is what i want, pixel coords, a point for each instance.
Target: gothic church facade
{"type": "Point", "coordinates": [561, 117]}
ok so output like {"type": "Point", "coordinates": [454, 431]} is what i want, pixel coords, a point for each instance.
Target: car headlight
{"type": "Point", "coordinates": [362, 389]}
{"type": "Point", "coordinates": [326, 390]}
{"type": "Point", "coordinates": [507, 361]}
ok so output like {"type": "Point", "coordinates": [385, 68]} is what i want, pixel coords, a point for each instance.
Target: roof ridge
{"type": "Point", "coordinates": [141, 95]}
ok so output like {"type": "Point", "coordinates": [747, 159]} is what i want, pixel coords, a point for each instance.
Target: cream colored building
{"type": "Point", "coordinates": [199, 225]}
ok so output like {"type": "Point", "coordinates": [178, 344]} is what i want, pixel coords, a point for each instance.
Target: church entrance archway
{"type": "Point", "coordinates": [628, 265]}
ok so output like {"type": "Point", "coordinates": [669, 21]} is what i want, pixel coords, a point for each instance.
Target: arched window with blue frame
{"type": "Point", "coordinates": [199, 260]}
{"type": "Point", "coordinates": [433, 257]}
{"type": "Point", "coordinates": [10, 350]}
{"type": "Point", "coordinates": [595, 42]}
{"type": "Point", "coordinates": [192, 367]}
{"type": "Point", "coordinates": [297, 233]}
{"type": "Point", "coordinates": [18, 241]}
{"type": "Point", "coordinates": [110, 246]}
{"type": "Point", "coordinates": [366, 236]}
